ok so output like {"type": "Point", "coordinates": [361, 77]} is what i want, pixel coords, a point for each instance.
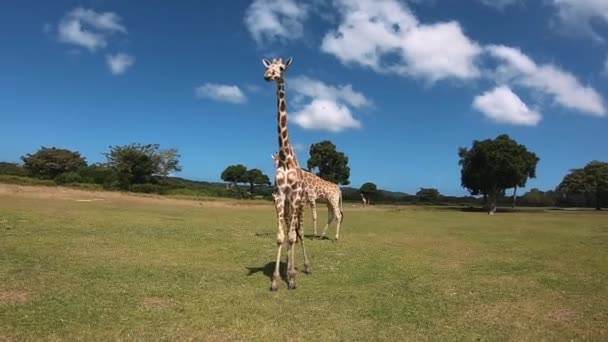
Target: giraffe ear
{"type": "Point", "coordinates": [288, 61]}
{"type": "Point", "coordinates": [266, 63]}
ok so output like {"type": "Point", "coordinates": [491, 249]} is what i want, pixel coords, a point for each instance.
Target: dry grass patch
{"type": "Point", "coordinates": [13, 297]}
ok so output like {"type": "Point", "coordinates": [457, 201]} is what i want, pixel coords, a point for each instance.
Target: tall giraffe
{"type": "Point", "coordinates": [318, 189]}
{"type": "Point", "coordinates": [289, 193]}
{"type": "Point", "coordinates": [364, 200]}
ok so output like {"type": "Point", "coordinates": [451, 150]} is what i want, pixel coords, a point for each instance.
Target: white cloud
{"type": "Point", "coordinates": [562, 86]}
{"type": "Point", "coordinates": [316, 89]}
{"type": "Point", "coordinates": [326, 115]}
{"type": "Point", "coordinates": [328, 107]}
{"type": "Point", "coordinates": [221, 92]}
{"type": "Point", "coordinates": [503, 106]}
{"type": "Point", "coordinates": [88, 29]}
{"type": "Point", "coordinates": [386, 37]}
{"type": "Point", "coordinates": [275, 19]}
{"type": "Point", "coordinates": [580, 15]}
{"type": "Point", "coordinates": [119, 63]}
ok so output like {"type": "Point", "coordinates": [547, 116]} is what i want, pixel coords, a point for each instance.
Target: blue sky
{"type": "Point", "coordinates": [396, 85]}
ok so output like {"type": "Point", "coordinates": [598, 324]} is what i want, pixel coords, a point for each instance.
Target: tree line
{"type": "Point", "coordinates": [488, 169]}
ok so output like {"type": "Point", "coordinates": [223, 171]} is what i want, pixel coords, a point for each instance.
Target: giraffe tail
{"type": "Point", "coordinates": [341, 212]}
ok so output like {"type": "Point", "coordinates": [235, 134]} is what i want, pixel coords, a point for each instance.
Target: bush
{"type": "Point", "coordinates": [68, 177]}
{"type": "Point", "coordinates": [25, 180]}
{"type": "Point", "coordinates": [148, 188]}
{"type": "Point", "coordinates": [12, 169]}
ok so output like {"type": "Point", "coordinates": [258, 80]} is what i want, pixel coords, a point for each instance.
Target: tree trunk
{"type": "Point", "coordinates": [514, 197]}
{"type": "Point", "coordinates": [597, 199]}
{"type": "Point", "coordinates": [251, 188]}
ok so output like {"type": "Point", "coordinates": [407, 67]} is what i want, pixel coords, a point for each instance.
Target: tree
{"type": "Point", "coordinates": [235, 174]}
{"type": "Point", "coordinates": [48, 163]}
{"type": "Point", "coordinates": [591, 181]}
{"type": "Point", "coordinates": [492, 166]}
{"type": "Point", "coordinates": [134, 163]}
{"type": "Point", "coordinates": [428, 195]}
{"type": "Point", "coordinates": [256, 177]}
{"type": "Point", "coordinates": [168, 161]}
{"type": "Point", "coordinates": [369, 190]}
{"type": "Point", "coordinates": [331, 164]}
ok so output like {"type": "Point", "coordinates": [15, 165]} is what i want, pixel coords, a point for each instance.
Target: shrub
{"type": "Point", "coordinates": [68, 177]}
{"type": "Point", "coordinates": [148, 188]}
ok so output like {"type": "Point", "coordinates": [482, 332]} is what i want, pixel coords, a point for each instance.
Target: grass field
{"type": "Point", "coordinates": [76, 265]}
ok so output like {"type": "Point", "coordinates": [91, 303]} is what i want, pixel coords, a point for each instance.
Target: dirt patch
{"type": "Point", "coordinates": [562, 315]}
{"type": "Point", "coordinates": [157, 303]}
{"type": "Point", "coordinates": [13, 297]}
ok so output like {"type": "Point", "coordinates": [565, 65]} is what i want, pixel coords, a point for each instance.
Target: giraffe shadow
{"type": "Point", "coordinates": [268, 270]}
{"type": "Point", "coordinates": [315, 237]}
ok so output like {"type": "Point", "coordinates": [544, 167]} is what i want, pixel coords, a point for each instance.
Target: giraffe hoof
{"type": "Point", "coordinates": [274, 288]}
{"type": "Point", "coordinates": [292, 286]}
{"type": "Point", "coordinates": [307, 269]}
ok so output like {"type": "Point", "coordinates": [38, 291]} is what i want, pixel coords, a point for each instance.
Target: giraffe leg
{"type": "Point", "coordinates": [307, 268]}
{"type": "Point", "coordinates": [330, 219]}
{"type": "Point", "coordinates": [292, 239]}
{"type": "Point", "coordinates": [313, 208]}
{"type": "Point", "coordinates": [276, 277]}
{"type": "Point", "coordinates": [338, 215]}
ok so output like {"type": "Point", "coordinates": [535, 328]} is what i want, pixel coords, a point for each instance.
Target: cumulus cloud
{"type": "Point", "coordinates": [579, 15]}
{"type": "Point", "coordinates": [565, 89]}
{"type": "Point", "coordinates": [503, 106]}
{"type": "Point", "coordinates": [119, 63]}
{"type": "Point", "coordinates": [89, 29]}
{"type": "Point", "coordinates": [386, 37]}
{"type": "Point", "coordinates": [325, 107]}
{"type": "Point", "coordinates": [221, 92]}
{"type": "Point", "coordinates": [268, 20]}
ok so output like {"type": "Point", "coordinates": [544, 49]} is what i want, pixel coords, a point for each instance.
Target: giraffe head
{"type": "Point", "coordinates": [275, 157]}
{"type": "Point", "coordinates": [275, 69]}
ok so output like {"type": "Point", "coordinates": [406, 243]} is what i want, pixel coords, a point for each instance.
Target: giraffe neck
{"type": "Point", "coordinates": [287, 156]}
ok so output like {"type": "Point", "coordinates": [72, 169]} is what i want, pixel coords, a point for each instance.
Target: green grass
{"type": "Point", "coordinates": [129, 268]}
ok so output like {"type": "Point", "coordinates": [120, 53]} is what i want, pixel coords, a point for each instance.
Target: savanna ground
{"type": "Point", "coordinates": [81, 265]}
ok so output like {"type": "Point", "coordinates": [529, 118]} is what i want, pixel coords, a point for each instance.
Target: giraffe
{"type": "Point", "coordinates": [318, 189]}
{"type": "Point", "coordinates": [364, 200]}
{"type": "Point", "coordinates": [289, 192]}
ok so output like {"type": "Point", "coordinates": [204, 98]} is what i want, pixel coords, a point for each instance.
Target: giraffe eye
{"type": "Point", "coordinates": [282, 68]}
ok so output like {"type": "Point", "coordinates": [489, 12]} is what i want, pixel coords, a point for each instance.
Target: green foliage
{"type": "Point", "coordinates": [148, 188]}
{"type": "Point", "coordinates": [68, 177]}
{"type": "Point", "coordinates": [20, 180]}
{"type": "Point", "coordinates": [12, 169]}
{"type": "Point", "coordinates": [256, 177]}
{"type": "Point", "coordinates": [168, 161]}
{"type": "Point", "coordinates": [590, 181]}
{"type": "Point", "coordinates": [369, 190]}
{"type": "Point", "coordinates": [428, 195]}
{"type": "Point", "coordinates": [492, 166]}
{"type": "Point", "coordinates": [47, 163]}
{"type": "Point", "coordinates": [101, 174]}
{"type": "Point", "coordinates": [137, 163]}
{"type": "Point", "coordinates": [330, 164]}
{"type": "Point", "coordinates": [235, 174]}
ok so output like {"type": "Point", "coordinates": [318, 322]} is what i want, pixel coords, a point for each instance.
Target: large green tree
{"type": "Point", "coordinates": [369, 190]}
{"type": "Point", "coordinates": [329, 163]}
{"type": "Point", "coordinates": [256, 177]}
{"type": "Point", "coordinates": [591, 181]}
{"type": "Point", "coordinates": [137, 163]}
{"type": "Point", "coordinates": [235, 174]}
{"type": "Point", "coordinates": [490, 167]}
{"type": "Point", "coordinates": [168, 161]}
{"type": "Point", "coordinates": [428, 195]}
{"type": "Point", "coordinates": [48, 163]}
